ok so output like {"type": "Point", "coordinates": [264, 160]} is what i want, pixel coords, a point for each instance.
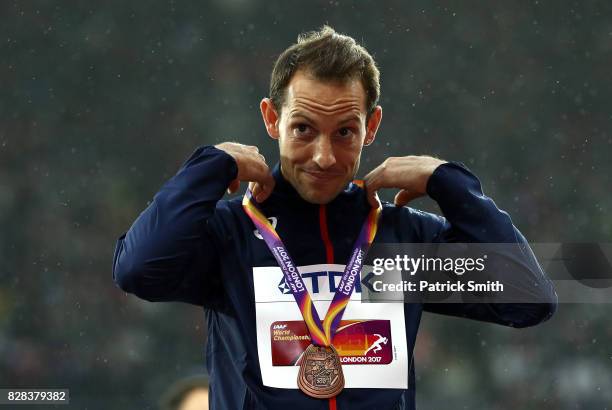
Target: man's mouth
{"type": "Point", "coordinates": [321, 175]}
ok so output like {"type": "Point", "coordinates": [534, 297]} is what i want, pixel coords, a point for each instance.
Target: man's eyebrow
{"type": "Point", "coordinates": [310, 120]}
{"type": "Point", "coordinates": [301, 115]}
{"type": "Point", "coordinates": [350, 119]}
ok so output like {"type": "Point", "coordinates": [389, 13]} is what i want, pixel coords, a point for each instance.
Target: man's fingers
{"type": "Point", "coordinates": [378, 178]}
{"type": "Point", "coordinates": [373, 184]}
{"type": "Point", "coordinates": [263, 188]}
{"type": "Point", "coordinates": [371, 176]}
{"type": "Point", "coordinates": [401, 198]}
{"type": "Point", "coordinates": [404, 196]}
{"type": "Point", "coordinates": [371, 194]}
{"type": "Point", "coordinates": [255, 188]}
{"type": "Point", "coordinates": [266, 188]}
{"type": "Point", "coordinates": [264, 180]}
{"type": "Point", "coordinates": [233, 186]}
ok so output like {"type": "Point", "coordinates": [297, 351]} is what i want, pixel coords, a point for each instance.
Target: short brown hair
{"type": "Point", "coordinates": [328, 56]}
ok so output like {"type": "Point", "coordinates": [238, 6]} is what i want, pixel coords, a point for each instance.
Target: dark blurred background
{"type": "Point", "coordinates": [101, 103]}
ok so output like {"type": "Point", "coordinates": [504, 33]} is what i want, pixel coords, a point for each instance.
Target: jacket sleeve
{"type": "Point", "coordinates": [169, 253]}
{"type": "Point", "coordinates": [472, 217]}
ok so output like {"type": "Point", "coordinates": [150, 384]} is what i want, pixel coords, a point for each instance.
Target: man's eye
{"type": "Point", "coordinates": [345, 132]}
{"type": "Point", "coordinates": [302, 130]}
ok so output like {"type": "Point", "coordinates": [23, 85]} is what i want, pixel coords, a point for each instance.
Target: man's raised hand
{"type": "Point", "coordinates": [408, 174]}
{"type": "Point", "coordinates": [252, 167]}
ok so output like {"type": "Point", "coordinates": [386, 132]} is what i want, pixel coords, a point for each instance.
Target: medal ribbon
{"type": "Point", "coordinates": [321, 333]}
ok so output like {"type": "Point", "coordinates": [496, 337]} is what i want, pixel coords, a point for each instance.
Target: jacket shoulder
{"type": "Point", "coordinates": [229, 219]}
{"type": "Point", "coordinates": [414, 225]}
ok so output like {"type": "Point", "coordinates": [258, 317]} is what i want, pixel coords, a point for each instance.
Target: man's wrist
{"type": "Point", "coordinates": [430, 170]}
{"type": "Point", "coordinates": [446, 177]}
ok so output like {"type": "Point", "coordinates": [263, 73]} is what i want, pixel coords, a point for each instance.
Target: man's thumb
{"type": "Point", "coordinates": [403, 197]}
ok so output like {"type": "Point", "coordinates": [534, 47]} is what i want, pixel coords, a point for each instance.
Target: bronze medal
{"type": "Point", "coordinates": [320, 373]}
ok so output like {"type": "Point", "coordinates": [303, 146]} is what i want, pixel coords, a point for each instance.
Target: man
{"type": "Point", "coordinates": [190, 245]}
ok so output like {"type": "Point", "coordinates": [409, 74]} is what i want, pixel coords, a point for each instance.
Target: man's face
{"type": "Point", "coordinates": [321, 131]}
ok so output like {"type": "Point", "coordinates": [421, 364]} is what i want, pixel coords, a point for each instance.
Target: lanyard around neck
{"type": "Point", "coordinates": [321, 333]}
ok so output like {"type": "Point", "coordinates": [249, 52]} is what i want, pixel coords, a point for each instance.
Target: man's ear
{"type": "Point", "coordinates": [372, 125]}
{"type": "Point", "coordinates": [270, 117]}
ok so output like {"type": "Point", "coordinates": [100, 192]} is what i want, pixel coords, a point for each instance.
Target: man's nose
{"type": "Point", "coordinates": [324, 152]}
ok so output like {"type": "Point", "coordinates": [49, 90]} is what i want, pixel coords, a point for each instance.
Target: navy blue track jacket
{"type": "Point", "coordinates": [189, 245]}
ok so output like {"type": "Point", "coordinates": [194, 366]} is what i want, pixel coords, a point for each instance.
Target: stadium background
{"type": "Point", "coordinates": [101, 103]}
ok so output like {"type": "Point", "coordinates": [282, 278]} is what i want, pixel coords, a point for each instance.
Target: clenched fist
{"type": "Point", "coordinates": [252, 168]}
